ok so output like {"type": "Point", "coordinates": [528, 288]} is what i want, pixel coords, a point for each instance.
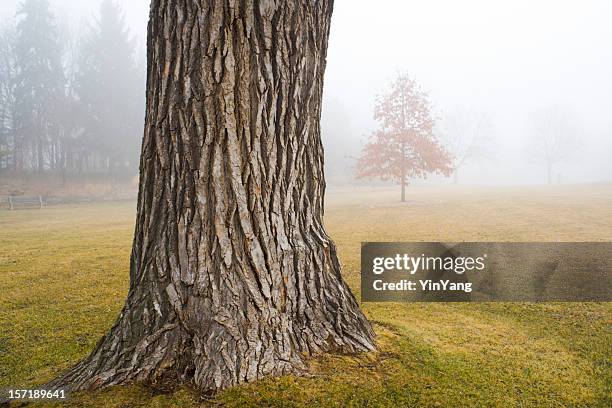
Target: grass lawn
{"type": "Point", "coordinates": [64, 276]}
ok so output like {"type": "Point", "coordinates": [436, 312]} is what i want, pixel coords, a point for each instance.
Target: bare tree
{"type": "Point", "coordinates": [8, 77]}
{"type": "Point", "coordinates": [233, 276]}
{"type": "Point", "coordinates": [468, 136]}
{"type": "Point", "coordinates": [337, 135]}
{"type": "Point", "coordinates": [553, 139]}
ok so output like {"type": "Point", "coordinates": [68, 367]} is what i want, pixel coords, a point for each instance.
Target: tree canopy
{"type": "Point", "coordinates": [404, 145]}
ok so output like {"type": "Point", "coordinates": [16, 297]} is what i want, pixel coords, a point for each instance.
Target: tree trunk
{"type": "Point", "coordinates": [232, 274]}
{"type": "Point", "coordinates": [403, 183]}
{"type": "Point", "coordinates": [40, 161]}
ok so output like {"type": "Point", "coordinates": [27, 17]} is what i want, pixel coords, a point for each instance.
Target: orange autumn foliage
{"type": "Point", "coordinates": [404, 146]}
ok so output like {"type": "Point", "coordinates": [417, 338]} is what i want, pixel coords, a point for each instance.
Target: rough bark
{"type": "Point", "coordinates": [232, 275]}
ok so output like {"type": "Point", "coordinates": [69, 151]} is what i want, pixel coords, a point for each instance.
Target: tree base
{"type": "Point", "coordinates": [212, 355]}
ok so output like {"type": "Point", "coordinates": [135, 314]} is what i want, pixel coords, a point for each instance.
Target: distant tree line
{"type": "Point", "coordinates": [69, 105]}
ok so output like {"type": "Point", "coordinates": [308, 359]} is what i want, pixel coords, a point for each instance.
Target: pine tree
{"type": "Point", "coordinates": [39, 82]}
{"type": "Point", "coordinates": [110, 86]}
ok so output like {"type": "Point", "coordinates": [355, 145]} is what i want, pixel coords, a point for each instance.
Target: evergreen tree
{"type": "Point", "coordinates": [39, 86]}
{"type": "Point", "coordinates": [110, 86]}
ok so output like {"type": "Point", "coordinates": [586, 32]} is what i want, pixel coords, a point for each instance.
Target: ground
{"type": "Point", "coordinates": [64, 276]}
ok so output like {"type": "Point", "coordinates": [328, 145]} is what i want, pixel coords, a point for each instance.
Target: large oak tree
{"type": "Point", "coordinates": [233, 276]}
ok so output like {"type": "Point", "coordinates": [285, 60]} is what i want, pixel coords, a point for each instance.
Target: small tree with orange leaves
{"type": "Point", "coordinates": [404, 146]}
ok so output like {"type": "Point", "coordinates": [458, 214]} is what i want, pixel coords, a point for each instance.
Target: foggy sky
{"type": "Point", "coordinates": [504, 58]}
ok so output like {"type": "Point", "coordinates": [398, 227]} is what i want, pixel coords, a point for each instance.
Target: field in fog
{"type": "Point", "coordinates": [64, 277]}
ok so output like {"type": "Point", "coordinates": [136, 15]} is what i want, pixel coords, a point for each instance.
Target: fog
{"type": "Point", "coordinates": [505, 60]}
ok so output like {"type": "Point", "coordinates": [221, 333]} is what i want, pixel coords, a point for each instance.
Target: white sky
{"type": "Point", "coordinates": [502, 57]}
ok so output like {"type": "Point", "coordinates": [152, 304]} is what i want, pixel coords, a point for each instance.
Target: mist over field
{"type": "Point", "coordinates": [509, 63]}
{"type": "Point", "coordinates": [506, 60]}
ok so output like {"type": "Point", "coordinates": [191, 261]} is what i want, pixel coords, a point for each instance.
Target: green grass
{"type": "Point", "coordinates": [64, 277]}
